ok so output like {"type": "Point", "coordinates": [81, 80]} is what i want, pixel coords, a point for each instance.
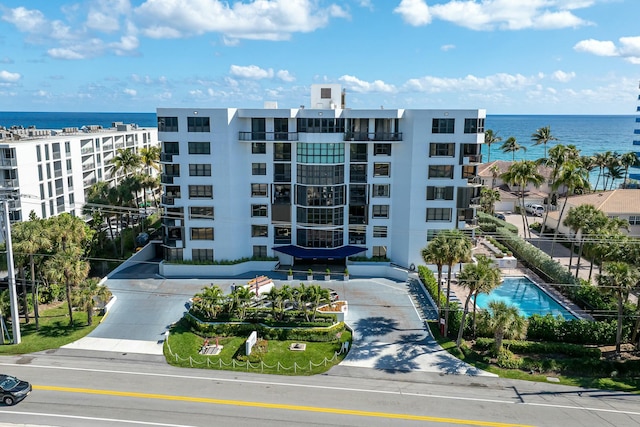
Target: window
{"type": "Point", "coordinates": [381, 190]}
{"type": "Point", "coordinates": [171, 147]}
{"type": "Point", "coordinates": [259, 210]}
{"type": "Point", "coordinates": [38, 155]}
{"type": "Point", "coordinates": [202, 254]}
{"type": "Point", "coordinates": [439, 193]}
{"type": "Point", "coordinates": [198, 169]}
{"type": "Point", "coordinates": [317, 125]}
{"type": "Point", "coordinates": [259, 251]}
{"type": "Point", "coordinates": [320, 153]}
{"type": "Point", "coordinates": [431, 234]}
{"type": "Point", "coordinates": [201, 212]}
{"type": "Point", "coordinates": [441, 171]}
{"type": "Point", "coordinates": [439, 214]}
{"type": "Point", "coordinates": [259, 231]}
{"type": "Point", "coordinates": [357, 173]}
{"type": "Point", "coordinates": [167, 124]}
{"type": "Point", "coordinates": [283, 234]}
{"type": "Point", "coordinates": [443, 126]}
{"type": "Point", "coordinates": [202, 233]}
{"type": "Point", "coordinates": [201, 191]}
{"type": "Point", "coordinates": [282, 152]}
{"type": "Point", "coordinates": [379, 251]}
{"type": "Point", "coordinates": [380, 211]}
{"type": "Point", "coordinates": [258, 168]}
{"type": "Point", "coordinates": [437, 149]}
{"type": "Point", "coordinates": [67, 147]}
{"type": "Point", "coordinates": [172, 169]}
{"type": "Point", "coordinates": [473, 125]}
{"type": "Point", "coordinates": [381, 169]}
{"type": "Point", "coordinates": [258, 148]}
{"type": "Point", "coordinates": [199, 148]}
{"type": "Point", "coordinates": [381, 149]}
{"type": "Point", "coordinates": [69, 165]}
{"type": "Point", "coordinates": [358, 152]}
{"type": "Point", "coordinates": [198, 124]}
{"type": "Point", "coordinates": [325, 93]}
{"type": "Point", "coordinates": [634, 220]}
{"type": "Point", "coordinates": [379, 231]}
{"type": "Point", "coordinates": [282, 172]}
{"type": "Point", "coordinates": [70, 182]}
{"type": "Point", "coordinates": [40, 176]}
{"type": "Point", "coordinates": [72, 199]}
{"type": "Point", "coordinates": [258, 190]}
{"type": "Point", "coordinates": [173, 254]}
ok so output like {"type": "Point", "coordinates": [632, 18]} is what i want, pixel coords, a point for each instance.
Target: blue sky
{"type": "Point", "coordinates": [507, 56]}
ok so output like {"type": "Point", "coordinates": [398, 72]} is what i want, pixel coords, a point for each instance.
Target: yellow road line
{"type": "Point", "coordinates": [279, 406]}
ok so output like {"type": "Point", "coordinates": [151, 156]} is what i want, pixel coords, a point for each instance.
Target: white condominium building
{"type": "Point", "coordinates": [316, 184]}
{"type": "Point", "coordinates": [49, 171]}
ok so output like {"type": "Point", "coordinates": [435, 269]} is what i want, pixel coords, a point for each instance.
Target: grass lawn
{"type": "Point", "coordinates": [277, 359]}
{"type": "Point", "coordinates": [54, 330]}
{"type": "Point", "coordinates": [631, 385]}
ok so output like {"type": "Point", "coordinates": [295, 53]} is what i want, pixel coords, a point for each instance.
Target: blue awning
{"type": "Point", "coordinates": [299, 252]}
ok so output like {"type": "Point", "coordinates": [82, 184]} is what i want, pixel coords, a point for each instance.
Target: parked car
{"type": "Point", "coordinates": [500, 216]}
{"type": "Point", "coordinates": [534, 209]}
{"type": "Point", "coordinates": [13, 390]}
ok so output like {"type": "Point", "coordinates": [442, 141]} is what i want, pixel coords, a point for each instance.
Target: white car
{"type": "Point", "coordinates": [534, 209]}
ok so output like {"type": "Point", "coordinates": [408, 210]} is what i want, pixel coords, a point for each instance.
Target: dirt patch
{"type": "Point", "coordinates": [627, 352]}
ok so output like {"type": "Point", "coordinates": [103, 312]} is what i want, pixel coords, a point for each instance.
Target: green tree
{"type": "Point", "coordinates": [490, 138]}
{"type": "Point", "coordinates": [68, 268]}
{"type": "Point", "coordinates": [240, 299]}
{"type": "Point", "coordinates": [523, 173]}
{"type": "Point", "coordinates": [317, 295]}
{"type": "Point", "coordinates": [488, 199]}
{"type": "Point", "coordinates": [577, 219]}
{"type": "Point", "coordinates": [126, 161]}
{"type": "Point", "coordinates": [479, 277]}
{"type": "Point", "coordinates": [31, 239]}
{"type": "Point", "coordinates": [628, 160]}
{"type": "Point", "coordinates": [208, 302]}
{"type": "Point", "coordinates": [86, 295]}
{"type": "Point", "coordinates": [543, 136]}
{"type": "Point", "coordinates": [433, 253]}
{"type": "Point", "coordinates": [149, 159]}
{"type": "Point", "coordinates": [504, 321]}
{"type": "Point", "coordinates": [619, 279]}
{"type": "Point", "coordinates": [512, 146]}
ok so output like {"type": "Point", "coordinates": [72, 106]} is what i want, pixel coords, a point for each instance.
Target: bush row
{"type": "Point", "coordinates": [549, 328]}
{"type": "Point", "coordinates": [498, 223]}
{"type": "Point", "coordinates": [328, 334]}
{"type": "Point", "coordinates": [534, 347]}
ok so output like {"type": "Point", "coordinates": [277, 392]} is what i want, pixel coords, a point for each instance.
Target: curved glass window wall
{"type": "Point", "coordinates": [320, 196]}
{"type": "Point", "coordinates": [320, 216]}
{"type": "Point", "coordinates": [313, 238]}
{"type": "Point", "coordinates": [320, 174]}
{"type": "Point", "coordinates": [320, 153]}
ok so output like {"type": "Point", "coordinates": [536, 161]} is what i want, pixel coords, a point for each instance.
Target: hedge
{"type": "Point", "coordinates": [533, 347]}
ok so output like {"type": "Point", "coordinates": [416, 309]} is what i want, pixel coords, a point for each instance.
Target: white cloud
{"type": "Point", "coordinates": [414, 12]}
{"type": "Point", "coordinates": [251, 72]}
{"type": "Point", "coordinates": [563, 77]}
{"type": "Point", "coordinates": [628, 49]}
{"type": "Point", "coordinates": [130, 92]}
{"type": "Point", "coordinates": [361, 86]}
{"type": "Point", "coordinates": [9, 77]}
{"type": "Point", "coordinates": [285, 76]}
{"type": "Point", "coordinates": [500, 81]}
{"type": "Point", "coordinates": [258, 20]}
{"type": "Point", "coordinates": [447, 47]}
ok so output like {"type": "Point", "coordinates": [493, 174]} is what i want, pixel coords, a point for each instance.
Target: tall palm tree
{"type": "Point", "coordinates": [86, 294]}
{"type": "Point", "coordinates": [543, 136]}
{"type": "Point", "coordinates": [433, 253]}
{"type": "Point", "coordinates": [490, 138]}
{"type": "Point", "coordinates": [488, 198]}
{"type": "Point", "coordinates": [149, 159]}
{"type": "Point", "coordinates": [628, 160]}
{"type": "Point", "coordinates": [317, 295]}
{"type": "Point", "coordinates": [495, 172]}
{"type": "Point", "coordinates": [588, 164]}
{"type": "Point", "coordinates": [577, 219]}
{"type": "Point", "coordinates": [523, 173]}
{"type": "Point", "coordinates": [30, 238]}
{"type": "Point", "coordinates": [125, 161]}
{"type": "Point", "coordinates": [68, 268]}
{"type": "Point", "coordinates": [615, 170]}
{"type": "Point", "coordinates": [479, 277]}
{"type": "Point", "coordinates": [208, 302]}
{"type": "Point", "coordinates": [511, 146]}
{"type": "Point", "coordinates": [600, 160]}
{"type": "Point", "coordinates": [504, 319]}
{"type": "Point", "coordinates": [456, 248]}
{"type": "Point", "coordinates": [618, 279]}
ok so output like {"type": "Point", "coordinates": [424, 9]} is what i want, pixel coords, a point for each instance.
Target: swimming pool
{"type": "Point", "coordinates": [527, 296]}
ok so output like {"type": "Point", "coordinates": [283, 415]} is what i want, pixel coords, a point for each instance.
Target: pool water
{"type": "Point", "coordinates": [527, 296]}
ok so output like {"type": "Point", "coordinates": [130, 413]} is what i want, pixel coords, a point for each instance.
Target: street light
{"type": "Point", "coordinates": [11, 279]}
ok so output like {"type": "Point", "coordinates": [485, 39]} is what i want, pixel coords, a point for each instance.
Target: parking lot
{"type": "Point", "coordinates": [386, 317]}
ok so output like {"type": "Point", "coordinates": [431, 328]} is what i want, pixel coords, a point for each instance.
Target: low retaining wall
{"type": "Point", "coordinates": [194, 270]}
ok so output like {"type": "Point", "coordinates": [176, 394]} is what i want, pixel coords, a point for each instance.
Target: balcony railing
{"type": "Point", "coordinates": [268, 136]}
{"type": "Point", "coordinates": [167, 179]}
{"type": "Point", "coordinates": [472, 158]}
{"type": "Point", "coordinates": [167, 157]}
{"type": "Point", "coordinates": [373, 136]}
{"type": "Point", "coordinates": [474, 181]}
{"type": "Point", "coordinates": [7, 182]}
{"type": "Point", "coordinates": [166, 200]}
{"type": "Point", "coordinates": [88, 166]}
{"type": "Point", "coordinates": [8, 162]}
{"type": "Point", "coordinates": [87, 150]}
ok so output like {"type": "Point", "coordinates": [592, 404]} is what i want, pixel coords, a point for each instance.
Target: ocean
{"type": "Point", "coordinates": [591, 134]}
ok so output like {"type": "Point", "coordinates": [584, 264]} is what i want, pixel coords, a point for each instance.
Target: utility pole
{"type": "Point", "coordinates": [13, 295]}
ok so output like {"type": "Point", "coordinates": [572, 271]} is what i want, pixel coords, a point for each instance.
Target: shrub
{"type": "Point", "coordinates": [549, 328]}
{"type": "Point", "coordinates": [507, 360]}
{"type": "Point", "coordinates": [544, 348]}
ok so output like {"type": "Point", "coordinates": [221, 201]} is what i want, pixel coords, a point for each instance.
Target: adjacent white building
{"type": "Point", "coordinates": [49, 171]}
{"type": "Point", "coordinates": [319, 183]}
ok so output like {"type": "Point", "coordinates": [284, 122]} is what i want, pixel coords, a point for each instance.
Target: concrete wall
{"type": "Point", "coordinates": [191, 270]}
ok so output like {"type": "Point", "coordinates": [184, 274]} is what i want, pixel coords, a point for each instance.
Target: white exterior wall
{"type": "Point", "coordinates": [27, 167]}
{"type": "Point", "coordinates": [231, 177]}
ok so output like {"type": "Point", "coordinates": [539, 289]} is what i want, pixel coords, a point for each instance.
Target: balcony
{"type": "Point", "coordinates": [167, 179]}
{"type": "Point", "coordinates": [373, 136]}
{"type": "Point", "coordinates": [471, 159]}
{"type": "Point", "coordinates": [8, 162]}
{"type": "Point", "coordinates": [268, 136]}
{"type": "Point", "coordinates": [166, 200]}
{"type": "Point", "coordinates": [474, 202]}
{"type": "Point", "coordinates": [9, 183]}
{"type": "Point", "coordinates": [475, 181]}
{"type": "Point", "coordinates": [88, 166]}
{"type": "Point", "coordinates": [167, 157]}
{"type": "Point", "coordinates": [89, 182]}
{"type": "Point", "coordinates": [87, 150]}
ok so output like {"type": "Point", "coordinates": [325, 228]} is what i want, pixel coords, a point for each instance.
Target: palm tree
{"type": "Point", "coordinates": [543, 136]}
{"type": "Point", "coordinates": [618, 279]}
{"type": "Point", "coordinates": [571, 176]}
{"type": "Point", "coordinates": [317, 295]}
{"type": "Point", "coordinates": [628, 160]}
{"type": "Point", "coordinates": [577, 219]}
{"type": "Point", "coordinates": [433, 254]}
{"type": "Point", "coordinates": [523, 173]}
{"type": "Point", "coordinates": [456, 248]}
{"type": "Point", "coordinates": [511, 146]}
{"type": "Point", "coordinates": [149, 158]}
{"type": "Point", "coordinates": [600, 160]}
{"type": "Point", "coordinates": [68, 268]}
{"type": "Point", "coordinates": [615, 170]}
{"type": "Point", "coordinates": [208, 302]}
{"type": "Point", "coordinates": [125, 161]}
{"type": "Point", "coordinates": [29, 238]}
{"type": "Point", "coordinates": [495, 171]}
{"type": "Point", "coordinates": [488, 198]}
{"type": "Point", "coordinates": [489, 138]}
{"type": "Point", "coordinates": [240, 298]}
{"type": "Point", "coordinates": [479, 277]}
{"type": "Point", "coordinates": [87, 293]}
{"type": "Point", "coordinates": [504, 320]}
{"type": "Point", "coordinates": [589, 164]}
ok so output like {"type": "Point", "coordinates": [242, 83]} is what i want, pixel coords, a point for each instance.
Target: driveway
{"type": "Point", "coordinates": [387, 318]}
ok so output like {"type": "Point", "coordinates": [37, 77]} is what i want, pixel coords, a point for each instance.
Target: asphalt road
{"type": "Point", "coordinates": [85, 390]}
